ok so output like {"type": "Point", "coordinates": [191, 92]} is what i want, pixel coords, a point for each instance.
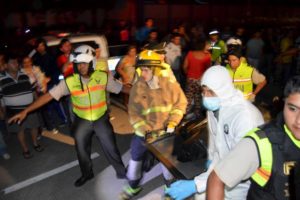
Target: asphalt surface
{"type": "Point", "coordinates": [49, 175]}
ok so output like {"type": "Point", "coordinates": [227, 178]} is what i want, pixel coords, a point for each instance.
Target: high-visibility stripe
{"type": "Point", "coordinates": [95, 106]}
{"type": "Point", "coordinates": [157, 109]}
{"type": "Point", "coordinates": [242, 80]}
{"type": "Point", "coordinates": [139, 124]}
{"type": "Point", "coordinates": [263, 174]}
{"type": "Point", "coordinates": [91, 89]}
{"type": "Point", "coordinates": [177, 111]}
{"type": "Point", "coordinates": [215, 47]}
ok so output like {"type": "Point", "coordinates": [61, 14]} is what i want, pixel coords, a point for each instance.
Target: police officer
{"type": "Point", "coordinates": [87, 88]}
{"type": "Point", "coordinates": [244, 76]}
{"type": "Point", "coordinates": [268, 155]}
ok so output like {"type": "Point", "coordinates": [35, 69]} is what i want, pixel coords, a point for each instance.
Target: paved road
{"type": "Point", "coordinates": [50, 175]}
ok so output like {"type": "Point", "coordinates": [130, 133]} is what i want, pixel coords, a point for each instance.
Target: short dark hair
{"type": "Point", "coordinates": [292, 86]}
{"type": "Point", "coordinates": [235, 52]}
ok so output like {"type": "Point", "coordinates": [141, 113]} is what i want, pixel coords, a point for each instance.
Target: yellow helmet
{"type": "Point", "coordinates": [149, 58]}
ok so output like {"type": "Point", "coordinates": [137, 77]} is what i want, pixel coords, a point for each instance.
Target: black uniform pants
{"type": "Point", "coordinates": [83, 131]}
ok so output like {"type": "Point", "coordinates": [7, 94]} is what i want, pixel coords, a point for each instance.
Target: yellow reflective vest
{"type": "Point", "coordinates": [263, 173]}
{"type": "Point", "coordinates": [242, 78]}
{"type": "Point", "coordinates": [89, 101]}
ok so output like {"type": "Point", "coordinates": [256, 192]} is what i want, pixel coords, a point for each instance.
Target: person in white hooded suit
{"type": "Point", "coordinates": [230, 117]}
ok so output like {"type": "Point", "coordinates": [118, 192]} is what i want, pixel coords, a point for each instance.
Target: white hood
{"type": "Point", "coordinates": [217, 79]}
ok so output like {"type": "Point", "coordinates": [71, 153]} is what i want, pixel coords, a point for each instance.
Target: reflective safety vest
{"type": "Point", "coordinates": [216, 50]}
{"type": "Point", "coordinates": [279, 153]}
{"type": "Point", "coordinates": [242, 79]}
{"type": "Point", "coordinates": [263, 173]}
{"type": "Point", "coordinates": [89, 101]}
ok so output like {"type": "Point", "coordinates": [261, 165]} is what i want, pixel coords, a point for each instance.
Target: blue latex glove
{"type": "Point", "coordinates": [181, 189]}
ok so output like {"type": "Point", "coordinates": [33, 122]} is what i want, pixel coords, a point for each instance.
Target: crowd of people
{"type": "Point", "coordinates": [217, 75]}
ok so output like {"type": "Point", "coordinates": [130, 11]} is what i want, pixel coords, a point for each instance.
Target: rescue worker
{"type": "Point", "coordinates": [165, 70]}
{"type": "Point", "coordinates": [217, 47]}
{"type": "Point", "coordinates": [156, 104]}
{"type": "Point", "coordinates": [87, 88]}
{"type": "Point", "coordinates": [244, 76]}
{"type": "Point", "coordinates": [230, 117]}
{"type": "Point", "coordinates": [268, 154]}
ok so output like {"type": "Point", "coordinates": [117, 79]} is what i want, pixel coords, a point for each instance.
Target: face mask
{"type": "Point", "coordinates": [211, 103]}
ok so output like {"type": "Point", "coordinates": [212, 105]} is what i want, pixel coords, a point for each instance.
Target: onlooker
{"type": "Point", "coordinates": [268, 155]}
{"type": "Point", "coordinates": [142, 33]}
{"type": "Point", "coordinates": [64, 49]}
{"type": "Point", "coordinates": [3, 147]}
{"type": "Point", "coordinates": [174, 56]}
{"type": "Point", "coordinates": [254, 50]}
{"type": "Point", "coordinates": [195, 64]}
{"type": "Point", "coordinates": [126, 69]}
{"type": "Point", "coordinates": [17, 93]}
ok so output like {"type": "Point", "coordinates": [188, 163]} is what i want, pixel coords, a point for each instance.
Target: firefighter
{"type": "Point", "coordinates": [156, 104]}
{"type": "Point", "coordinates": [87, 88]}
{"type": "Point", "coordinates": [268, 154]}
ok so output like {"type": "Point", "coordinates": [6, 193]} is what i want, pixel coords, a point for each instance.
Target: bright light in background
{"type": "Point", "coordinates": [27, 30]}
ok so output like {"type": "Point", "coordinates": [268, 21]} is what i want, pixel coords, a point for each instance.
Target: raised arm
{"type": "Point", "coordinates": [18, 118]}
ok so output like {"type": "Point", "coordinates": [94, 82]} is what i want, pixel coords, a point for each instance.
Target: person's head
{"type": "Point", "coordinates": [200, 45]}
{"type": "Point", "coordinates": [176, 39]}
{"type": "Point", "coordinates": [65, 46]}
{"type": "Point", "coordinates": [153, 35]}
{"type": "Point", "coordinates": [149, 22]}
{"type": "Point", "coordinates": [27, 62]}
{"type": "Point", "coordinates": [41, 46]}
{"type": "Point", "coordinates": [150, 63]}
{"type": "Point", "coordinates": [217, 87]}
{"type": "Point", "coordinates": [214, 35]}
{"type": "Point", "coordinates": [234, 43]}
{"type": "Point", "coordinates": [234, 58]}
{"type": "Point", "coordinates": [12, 65]}
{"type": "Point", "coordinates": [83, 58]}
{"type": "Point", "coordinates": [132, 50]}
{"type": "Point", "coordinates": [291, 111]}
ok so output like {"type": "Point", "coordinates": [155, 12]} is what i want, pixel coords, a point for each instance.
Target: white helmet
{"type": "Point", "coordinates": [234, 41]}
{"type": "Point", "coordinates": [83, 54]}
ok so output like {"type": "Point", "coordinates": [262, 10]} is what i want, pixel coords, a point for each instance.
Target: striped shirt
{"type": "Point", "coordinates": [16, 94]}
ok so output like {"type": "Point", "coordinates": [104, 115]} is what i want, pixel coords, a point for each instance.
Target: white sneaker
{"type": "Point", "coordinates": [54, 131]}
{"type": "Point", "coordinates": [6, 156]}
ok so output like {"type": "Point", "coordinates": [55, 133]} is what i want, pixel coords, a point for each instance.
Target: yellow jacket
{"type": "Point", "coordinates": [156, 109]}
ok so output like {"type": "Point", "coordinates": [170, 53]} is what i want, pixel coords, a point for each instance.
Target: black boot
{"type": "Point", "coordinates": [79, 182]}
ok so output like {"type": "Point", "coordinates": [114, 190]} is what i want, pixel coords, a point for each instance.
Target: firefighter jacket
{"type": "Point", "coordinates": [89, 101]}
{"type": "Point", "coordinates": [279, 153]}
{"type": "Point", "coordinates": [156, 109]}
{"type": "Point", "coordinates": [242, 78]}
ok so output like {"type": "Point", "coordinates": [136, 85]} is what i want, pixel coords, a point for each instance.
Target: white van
{"type": "Point", "coordinates": [113, 53]}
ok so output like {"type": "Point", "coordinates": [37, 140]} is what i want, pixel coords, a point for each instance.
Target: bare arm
{"type": "Point", "coordinates": [215, 187]}
{"type": "Point", "coordinates": [185, 64]}
{"type": "Point", "coordinates": [35, 105]}
{"type": "Point", "coordinates": [259, 87]}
